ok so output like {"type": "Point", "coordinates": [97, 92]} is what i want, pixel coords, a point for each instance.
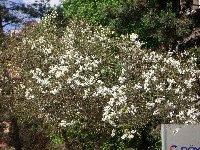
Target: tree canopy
{"type": "Point", "coordinates": [151, 19]}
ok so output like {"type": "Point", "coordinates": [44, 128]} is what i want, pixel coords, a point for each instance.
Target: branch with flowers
{"type": "Point", "coordinates": [84, 75]}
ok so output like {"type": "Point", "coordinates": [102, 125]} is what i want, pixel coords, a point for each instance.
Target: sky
{"type": "Point", "coordinates": [13, 27]}
{"type": "Point", "coordinates": [52, 2]}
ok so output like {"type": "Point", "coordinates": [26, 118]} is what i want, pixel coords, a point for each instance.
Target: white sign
{"type": "Point", "coordinates": [180, 137]}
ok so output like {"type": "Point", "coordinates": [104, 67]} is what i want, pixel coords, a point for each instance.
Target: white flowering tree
{"type": "Point", "coordinates": [84, 75]}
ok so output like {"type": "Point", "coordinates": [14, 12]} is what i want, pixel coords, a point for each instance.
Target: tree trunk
{"type": "Point", "coordinates": [15, 134]}
{"type": "Point", "coordinates": [67, 144]}
{"type": "Point", "coordinates": [1, 30]}
{"type": "Point", "coordinates": [162, 4]}
{"type": "Point", "coordinates": [176, 6]}
{"type": "Point", "coordinates": [144, 143]}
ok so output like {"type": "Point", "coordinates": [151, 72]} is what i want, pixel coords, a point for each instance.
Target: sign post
{"type": "Point", "coordinates": [180, 137]}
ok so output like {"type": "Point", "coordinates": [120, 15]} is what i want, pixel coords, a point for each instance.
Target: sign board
{"type": "Point", "coordinates": [180, 137]}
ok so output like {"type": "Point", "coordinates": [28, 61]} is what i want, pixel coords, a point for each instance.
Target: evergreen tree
{"type": "Point", "coordinates": [150, 19]}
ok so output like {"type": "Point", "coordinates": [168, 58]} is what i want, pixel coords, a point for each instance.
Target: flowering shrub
{"type": "Point", "coordinates": [83, 75]}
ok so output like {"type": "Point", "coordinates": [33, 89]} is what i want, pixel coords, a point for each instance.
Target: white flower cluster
{"type": "Point", "coordinates": [37, 74]}
{"type": "Point", "coordinates": [58, 71]}
{"type": "Point", "coordinates": [117, 99]}
{"type": "Point", "coordinates": [28, 94]}
{"type": "Point", "coordinates": [128, 134]}
{"type": "Point", "coordinates": [135, 38]}
{"type": "Point", "coordinates": [64, 124]}
{"type": "Point", "coordinates": [81, 73]}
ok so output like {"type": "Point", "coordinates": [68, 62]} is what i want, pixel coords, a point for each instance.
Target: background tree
{"type": "Point", "coordinates": [151, 19]}
{"type": "Point", "coordinates": [13, 13]}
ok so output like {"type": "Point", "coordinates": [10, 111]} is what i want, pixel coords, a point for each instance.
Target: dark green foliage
{"type": "Point", "coordinates": [91, 10]}
{"type": "Point", "coordinates": [33, 135]}
{"type": "Point", "coordinates": [162, 30]}
{"type": "Point", "coordinates": [81, 137]}
{"type": "Point", "coordinates": [158, 27]}
{"type": "Point", "coordinates": [158, 23]}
